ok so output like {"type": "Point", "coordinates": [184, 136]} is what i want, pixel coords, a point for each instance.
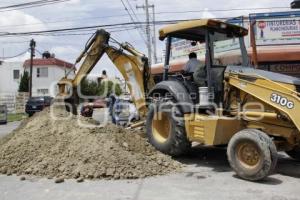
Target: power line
{"type": "Point", "coordinates": [30, 5]}
{"type": "Point", "coordinates": [132, 10]}
{"type": "Point", "coordinates": [221, 10]}
{"type": "Point", "coordinates": [133, 21]}
{"type": "Point", "coordinates": [85, 28]}
{"type": "Point", "coordinates": [25, 4]}
{"type": "Point", "coordinates": [14, 42]}
{"type": "Point", "coordinates": [80, 28]}
{"type": "Point", "coordinates": [15, 56]}
{"type": "Point", "coordinates": [88, 33]}
{"type": "Point", "coordinates": [62, 20]}
{"type": "Point", "coordinates": [106, 26]}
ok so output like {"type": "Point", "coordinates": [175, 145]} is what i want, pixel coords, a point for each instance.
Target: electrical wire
{"type": "Point", "coordinates": [94, 27]}
{"type": "Point", "coordinates": [30, 5]}
{"type": "Point", "coordinates": [220, 10]}
{"type": "Point", "coordinates": [83, 28]}
{"type": "Point", "coordinates": [132, 10]}
{"type": "Point", "coordinates": [133, 21]}
{"type": "Point", "coordinates": [15, 56]}
{"type": "Point", "coordinates": [63, 20]}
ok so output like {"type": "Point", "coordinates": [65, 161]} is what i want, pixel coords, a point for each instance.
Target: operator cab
{"type": "Point", "coordinates": [205, 34]}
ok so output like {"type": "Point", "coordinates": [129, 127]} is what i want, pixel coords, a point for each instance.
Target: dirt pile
{"type": "Point", "coordinates": [52, 148]}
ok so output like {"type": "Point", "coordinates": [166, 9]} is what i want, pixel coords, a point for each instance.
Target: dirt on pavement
{"type": "Point", "coordinates": [45, 147]}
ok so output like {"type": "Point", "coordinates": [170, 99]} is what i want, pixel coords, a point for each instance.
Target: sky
{"type": "Point", "coordinates": [76, 13]}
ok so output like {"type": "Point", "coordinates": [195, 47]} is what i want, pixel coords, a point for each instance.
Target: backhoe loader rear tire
{"type": "Point", "coordinates": [295, 153]}
{"type": "Point", "coordinates": [166, 131]}
{"type": "Point", "coordinates": [252, 154]}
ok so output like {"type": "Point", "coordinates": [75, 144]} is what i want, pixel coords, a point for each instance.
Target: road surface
{"type": "Point", "coordinates": [7, 128]}
{"type": "Point", "coordinates": [207, 175]}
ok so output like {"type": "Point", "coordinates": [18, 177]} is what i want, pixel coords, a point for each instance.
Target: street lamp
{"type": "Point", "coordinates": [295, 4]}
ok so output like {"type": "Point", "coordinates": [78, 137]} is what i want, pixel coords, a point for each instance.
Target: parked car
{"type": "Point", "coordinates": [125, 112]}
{"type": "Point", "coordinates": [99, 103]}
{"type": "Point", "coordinates": [37, 104]}
{"type": "Point", "coordinates": [87, 109]}
{"type": "Point", "coordinates": [3, 114]}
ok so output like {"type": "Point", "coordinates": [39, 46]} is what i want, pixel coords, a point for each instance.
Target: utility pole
{"type": "Point", "coordinates": [32, 55]}
{"type": "Point", "coordinates": [148, 30]}
{"type": "Point", "coordinates": [154, 34]}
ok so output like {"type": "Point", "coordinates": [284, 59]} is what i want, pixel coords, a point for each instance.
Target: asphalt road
{"type": "Point", "coordinates": [207, 175]}
{"type": "Point", "coordinates": [5, 129]}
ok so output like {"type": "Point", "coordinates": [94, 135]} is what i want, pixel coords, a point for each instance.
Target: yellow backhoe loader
{"type": "Point", "coordinates": [132, 64]}
{"type": "Point", "coordinates": [251, 112]}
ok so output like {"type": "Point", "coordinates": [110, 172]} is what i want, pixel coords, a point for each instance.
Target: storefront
{"type": "Point", "coordinates": [277, 39]}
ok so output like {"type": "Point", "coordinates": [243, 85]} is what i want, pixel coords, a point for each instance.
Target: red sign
{"type": "Point", "coordinates": [262, 24]}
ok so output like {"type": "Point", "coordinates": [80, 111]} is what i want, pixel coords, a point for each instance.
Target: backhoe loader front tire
{"type": "Point", "coordinates": [295, 153]}
{"type": "Point", "coordinates": [166, 130]}
{"type": "Point", "coordinates": [252, 154]}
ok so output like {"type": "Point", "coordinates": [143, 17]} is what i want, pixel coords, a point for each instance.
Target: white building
{"type": "Point", "coordinates": [46, 73]}
{"type": "Point", "coordinates": [10, 75]}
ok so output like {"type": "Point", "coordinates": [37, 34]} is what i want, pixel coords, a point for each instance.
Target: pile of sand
{"type": "Point", "coordinates": [50, 148]}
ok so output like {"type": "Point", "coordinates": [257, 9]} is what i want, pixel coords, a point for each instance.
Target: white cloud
{"type": "Point", "coordinates": [73, 2]}
{"type": "Point", "coordinates": [10, 21]}
{"type": "Point", "coordinates": [70, 47]}
{"type": "Point", "coordinates": [64, 51]}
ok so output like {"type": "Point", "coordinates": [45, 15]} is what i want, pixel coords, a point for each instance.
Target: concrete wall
{"type": "Point", "coordinates": [15, 102]}
{"type": "Point", "coordinates": [9, 85]}
{"type": "Point", "coordinates": [20, 102]}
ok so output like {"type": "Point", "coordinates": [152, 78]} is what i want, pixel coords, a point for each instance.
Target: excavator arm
{"type": "Point", "coordinates": [132, 64]}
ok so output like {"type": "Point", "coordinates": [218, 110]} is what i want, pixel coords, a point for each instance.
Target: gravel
{"type": "Point", "coordinates": [63, 149]}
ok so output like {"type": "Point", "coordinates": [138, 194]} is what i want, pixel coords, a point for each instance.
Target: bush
{"type": "Point", "coordinates": [89, 87]}
{"type": "Point", "coordinates": [105, 89]}
{"type": "Point", "coordinates": [108, 87]}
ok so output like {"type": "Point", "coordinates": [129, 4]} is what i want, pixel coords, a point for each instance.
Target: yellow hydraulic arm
{"type": "Point", "coordinates": [133, 66]}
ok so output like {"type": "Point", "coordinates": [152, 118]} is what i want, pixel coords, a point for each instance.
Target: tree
{"type": "Point", "coordinates": [89, 87]}
{"type": "Point", "coordinates": [24, 83]}
{"type": "Point", "coordinates": [109, 87]}
{"type": "Point", "coordinates": [104, 89]}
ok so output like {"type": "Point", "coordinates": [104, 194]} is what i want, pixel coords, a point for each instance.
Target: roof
{"type": "Point", "coordinates": [265, 55]}
{"type": "Point", "coordinates": [195, 30]}
{"type": "Point", "coordinates": [47, 62]}
{"type": "Point", "coordinates": [268, 54]}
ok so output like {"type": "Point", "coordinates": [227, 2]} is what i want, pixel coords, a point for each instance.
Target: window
{"type": "Point", "coordinates": [16, 74]}
{"type": "Point", "coordinates": [42, 72]}
{"type": "Point", "coordinates": [43, 91]}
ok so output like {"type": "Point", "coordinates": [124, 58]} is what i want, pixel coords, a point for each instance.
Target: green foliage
{"type": "Point", "coordinates": [108, 87]}
{"type": "Point", "coordinates": [16, 117]}
{"type": "Point", "coordinates": [92, 88]}
{"type": "Point", "coordinates": [24, 83]}
{"type": "Point", "coordinates": [89, 87]}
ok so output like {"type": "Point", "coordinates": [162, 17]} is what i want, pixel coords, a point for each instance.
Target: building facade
{"type": "Point", "coordinates": [277, 38]}
{"type": "Point", "coordinates": [46, 73]}
{"type": "Point", "coordinates": [10, 75]}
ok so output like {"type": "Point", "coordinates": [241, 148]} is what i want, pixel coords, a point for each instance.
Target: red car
{"type": "Point", "coordinates": [88, 109]}
{"type": "Point", "coordinates": [99, 103]}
